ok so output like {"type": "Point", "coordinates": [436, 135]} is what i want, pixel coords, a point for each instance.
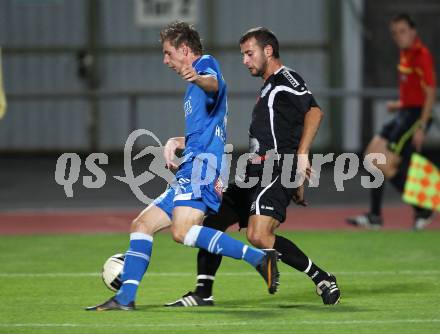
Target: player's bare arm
{"type": "Point", "coordinates": [206, 82]}
{"type": "Point", "coordinates": [312, 120]}
{"type": "Point", "coordinates": [419, 135]}
{"type": "Point", "coordinates": [169, 153]}
{"type": "Point", "coordinates": [394, 105]}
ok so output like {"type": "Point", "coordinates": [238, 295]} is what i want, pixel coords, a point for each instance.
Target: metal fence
{"type": "Point", "coordinates": [370, 100]}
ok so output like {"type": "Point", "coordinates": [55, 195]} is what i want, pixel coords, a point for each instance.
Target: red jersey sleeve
{"type": "Point", "coordinates": [425, 68]}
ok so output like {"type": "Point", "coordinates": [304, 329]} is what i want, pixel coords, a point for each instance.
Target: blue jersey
{"type": "Point", "coordinates": [206, 114]}
{"type": "Point", "coordinates": [205, 138]}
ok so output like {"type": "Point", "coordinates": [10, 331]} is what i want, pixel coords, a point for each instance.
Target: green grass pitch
{"type": "Point", "coordinates": [390, 283]}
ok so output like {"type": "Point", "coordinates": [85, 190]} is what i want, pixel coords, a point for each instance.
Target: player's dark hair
{"type": "Point", "coordinates": [264, 37]}
{"type": "Point", "coordinates": [178, 33]}
{"type": "Point", "coordinates": [405, 18]}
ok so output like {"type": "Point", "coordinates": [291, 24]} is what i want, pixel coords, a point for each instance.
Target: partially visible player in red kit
{"type": "Point", "coordinates": [406, 133]}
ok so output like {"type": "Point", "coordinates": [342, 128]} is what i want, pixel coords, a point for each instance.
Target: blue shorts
{"type": "Point", "coordinates": [187, 192]}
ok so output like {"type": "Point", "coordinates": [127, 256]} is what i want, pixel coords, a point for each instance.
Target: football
{"type": "Point", "coordinates": [111, 271]}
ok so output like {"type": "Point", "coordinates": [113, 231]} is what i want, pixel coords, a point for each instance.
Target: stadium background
{"type": "Point", "coordinates": [80, 75]}
{"type": "Point", "coordinates": [342, 48]}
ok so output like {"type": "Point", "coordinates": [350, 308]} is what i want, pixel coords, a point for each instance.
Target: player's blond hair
{"type": "Point", "coordinates": [178, 33]}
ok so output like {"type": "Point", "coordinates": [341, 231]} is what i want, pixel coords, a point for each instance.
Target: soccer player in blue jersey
{"type": "Point", "coordinates": [184, 205]}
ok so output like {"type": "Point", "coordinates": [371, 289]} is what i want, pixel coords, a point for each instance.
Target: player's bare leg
{"type": "Point", "coordinates": [373, 219]}
{"type": "Point", "coordinates": [207, 263]}
{"type": "Point", "coordinates": [150, 221]}
{"type": "Point", "coordinates": [380, 145]}
{"type": "Point", "coordinates": [137, 258]}
{"type": "Point", "coordinates": [261, 233]}
{"type": "Point", "coordinates": [186, 229]}
{"type": "Point", "coordinates": [185, 217]}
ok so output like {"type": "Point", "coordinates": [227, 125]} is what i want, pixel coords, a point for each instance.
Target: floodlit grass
{"type": "Point", "coordinates": [390, 283]}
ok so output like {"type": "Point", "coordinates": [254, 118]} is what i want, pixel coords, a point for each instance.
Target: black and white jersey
{"type": "Point", "coordinates": [278, 116]}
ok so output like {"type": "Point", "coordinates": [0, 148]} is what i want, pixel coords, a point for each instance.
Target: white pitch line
{"type": "Point", "coordinates": [229, 323]}
{"type": "Point", "coordinates": [48, 275]}
{"type": "Point", "coordinates": [343, 273]}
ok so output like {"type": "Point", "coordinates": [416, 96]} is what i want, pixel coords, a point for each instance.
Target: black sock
{"type": "Point", "coordinates": [294, 257]}
{"type": "Point", "coordinates": [421, 212]}
{"type": "Point", "coordinates": [290, 253]}
{"type": "Point", "coordinates": [398, 181]}
{"type": "Point", "coordinates": [376, 200]}
{"type": "Point", "coordinates": [316, 273]}
{"type": "Point", "coordinates": [207, 266]}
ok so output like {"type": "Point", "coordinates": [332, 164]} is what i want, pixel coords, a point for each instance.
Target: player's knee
{"type": "Point", "coordinates": [136, 225]}
{"type": "Point", "coordinates": [178, 233]}
{"type": "Point", "coordinates": [141, 225]}
{"type": "Point", "coordinates": [258, 240]}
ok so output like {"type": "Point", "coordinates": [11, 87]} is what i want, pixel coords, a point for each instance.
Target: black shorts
{"type": "Point", "coordinates": [399, 131]}
{"type": "Point", "coordinates": [238, 203]}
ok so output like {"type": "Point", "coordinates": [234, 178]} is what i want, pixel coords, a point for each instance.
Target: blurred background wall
{"type": "Point", "coordinates": [80, 75]}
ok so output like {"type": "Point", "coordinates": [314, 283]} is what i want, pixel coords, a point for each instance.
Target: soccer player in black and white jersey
{"type": "Point", "coordinates": [285, 120]}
